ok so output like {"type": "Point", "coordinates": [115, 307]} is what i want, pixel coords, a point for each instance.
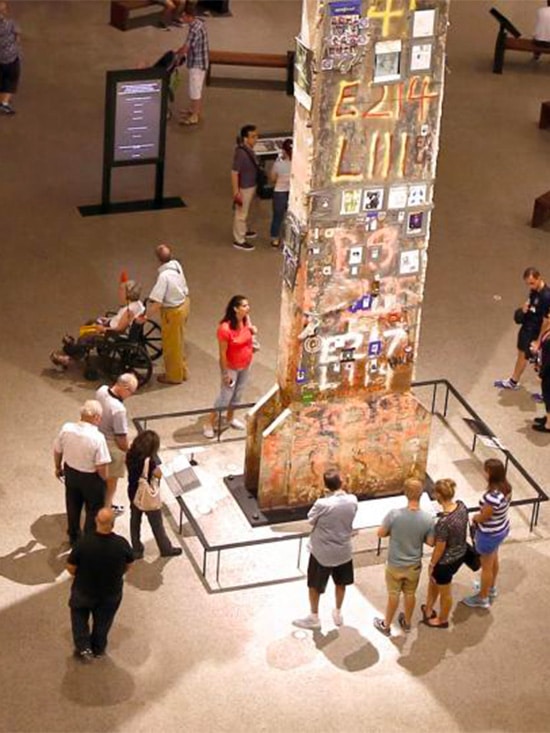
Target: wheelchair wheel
{"type": "Point", "coordinates": [126, 356]}
{"type": "Point", "coordinates": [151, 340]}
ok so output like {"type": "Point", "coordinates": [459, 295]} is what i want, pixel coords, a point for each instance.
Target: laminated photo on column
{"type": "Point", "coordinates": [387, 61]}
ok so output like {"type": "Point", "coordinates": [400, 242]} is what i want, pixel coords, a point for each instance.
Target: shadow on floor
{"type": "Point", "coordinates": [43, 558]}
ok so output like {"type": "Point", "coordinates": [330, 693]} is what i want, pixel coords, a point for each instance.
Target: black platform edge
{"type": "Point", "coordinates": [129, 207]}
{"type": "Point", "coordinates": [257, 517]}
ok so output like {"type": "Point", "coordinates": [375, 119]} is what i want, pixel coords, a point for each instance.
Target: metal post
{"type": "Point", "coordinates": [500, 49]}
{"type": "Point", "coordinates": [159, 183]}
{"type": "Point", "coordinates": [434, 395]}
{"type": "Point", "coordinates": [218, 567]}
{"type": "Point", "coordinates": [446, 404]}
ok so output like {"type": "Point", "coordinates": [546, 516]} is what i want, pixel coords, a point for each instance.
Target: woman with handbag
{"type": "Point", "coordinates": [144, 493]}
{"type": "Point", "coordinates": [236, 343]}
{"type": "Point", "coordinates": [448, 554]}
{"type": "Point", "coordinates": [492, 528]}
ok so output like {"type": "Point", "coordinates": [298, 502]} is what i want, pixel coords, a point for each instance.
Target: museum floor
{"type": "Point", "coordinates": [182, 658]}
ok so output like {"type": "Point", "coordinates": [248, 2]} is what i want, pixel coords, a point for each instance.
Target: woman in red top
{"type": "Point", "coordinates": [234, 334]}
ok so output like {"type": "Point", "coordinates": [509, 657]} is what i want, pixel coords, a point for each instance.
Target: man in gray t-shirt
{"type": "Point", "coordinates": [330, 546]}
{"type": "Point", "coordinates": [408, 529]}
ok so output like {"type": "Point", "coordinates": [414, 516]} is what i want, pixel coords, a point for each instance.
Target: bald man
{"type": "Point", "coordinates": [170, 296]}
{"type": "Point", "coordinates": [98, 563]}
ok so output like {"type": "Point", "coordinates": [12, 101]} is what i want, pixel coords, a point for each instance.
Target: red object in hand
{"type": "Point", "coordinates": [124, 276]}
{"type": "Point", "coordinates": [238, 199]}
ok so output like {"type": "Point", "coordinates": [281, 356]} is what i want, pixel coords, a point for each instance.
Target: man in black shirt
{"type": "Point", "coordinates": [532, 316]}
{"type": "Point", "coordinates": [98, 563]}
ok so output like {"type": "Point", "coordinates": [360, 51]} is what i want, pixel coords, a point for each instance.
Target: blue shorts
{"type": "Point", "coordinates": [486, 543]}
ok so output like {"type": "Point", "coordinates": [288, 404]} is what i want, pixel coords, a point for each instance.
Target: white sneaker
{"type": "Point", "coordinates": [337, 617]}
{"type": "Point", "coordinates": [208, 431]}
{"type": "Point", "coordinates": [309, 622]}
{"type": "Point", "coordinates": [237, 424]}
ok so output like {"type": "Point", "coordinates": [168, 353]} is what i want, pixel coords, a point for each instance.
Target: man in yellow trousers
{"type": "Point", "coordinates": [170, 295]}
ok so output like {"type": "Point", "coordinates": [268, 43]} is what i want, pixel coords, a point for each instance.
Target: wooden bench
{"type": "Point", "coordinates": [265, 60]}
{"type": "Point", "coordinates": [541, 210]}
{"type": "Point", "coordinates": [121, 10]}
{"type": "Point", "coordinates": [509, 43]}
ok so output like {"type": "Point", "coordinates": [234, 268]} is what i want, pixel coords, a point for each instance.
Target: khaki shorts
{"type": "Point", "coordinates": [117, 467]}
{"type": "Point", "coordinates": [196, 81]}
{"type": "Point", "coordinates": [402, 579]}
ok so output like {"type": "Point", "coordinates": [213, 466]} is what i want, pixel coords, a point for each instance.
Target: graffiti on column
{"type": "Point", "coordinates": [369, 89]}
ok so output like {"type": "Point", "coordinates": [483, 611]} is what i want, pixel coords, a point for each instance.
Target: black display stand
{"type": "Point", "coordinates": [136, 105]}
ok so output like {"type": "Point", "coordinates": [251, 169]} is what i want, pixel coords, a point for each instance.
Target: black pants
{"type": "Point", "coordinates": [82, 489]}
{"type": "Point", "coordinates": [103, 614]}
{"type": "Point", "coordinates": [157, 525]}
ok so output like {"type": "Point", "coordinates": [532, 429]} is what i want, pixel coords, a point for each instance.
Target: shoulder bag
{"type": "Point", "coordinates": [263, 190]}
{"type": "Point", "coordinates": [472, 558]}
{"type": "Point", "coordinates": [147, 498]}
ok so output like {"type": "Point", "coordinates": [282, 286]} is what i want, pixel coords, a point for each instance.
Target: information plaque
{"type": "Point", "coordinates": [136, 107]}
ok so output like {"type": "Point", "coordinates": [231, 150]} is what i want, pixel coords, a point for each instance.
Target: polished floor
{"type": "Point", "coordinates": [182, 658]}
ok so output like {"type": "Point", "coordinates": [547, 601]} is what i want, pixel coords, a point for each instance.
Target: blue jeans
{"type": "Point", "coordinates": [280, 205]}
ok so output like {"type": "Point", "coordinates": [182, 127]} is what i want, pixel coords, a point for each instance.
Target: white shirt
{"type": "Point", "coordinates": [170, 289]}
{"type": "Point", "coordinates": [542, 27]}
{"type": "Point", "coordinates": [114, 420]}
{"type": "Point", "coordinates": [332, 518]}
{"type": "Point", "coordinates": [282, 168]}
{"type": "Point", "coordinates": [82, 446]}
{"type": "Point", "coordinates": [135, 309]}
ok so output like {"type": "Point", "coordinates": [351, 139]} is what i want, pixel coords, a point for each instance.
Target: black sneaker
{"type": "Point", "coordinates": [539, 421]}
{"type": "Point", "coordinates": [6, 109]}
{"type": "Point", "coordinates": [251, 234]}
{"type": "Point", "coordinates": [85, 656]}
{"type": "Point", "coordinates": [172, 552]}
{"type": "Point", "coordinates": [246, 246]}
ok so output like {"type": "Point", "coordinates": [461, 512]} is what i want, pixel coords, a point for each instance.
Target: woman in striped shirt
{"type": "Point", "coordinates": [492, 528]}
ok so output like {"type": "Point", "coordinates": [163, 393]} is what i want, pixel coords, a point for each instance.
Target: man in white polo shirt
{"type": "Point", "coordinates": [541, 37]}
{"type": "Point", "coordinates": [170, 294]}
{"type": "Point", "coordinates": [81, 456]}
{"type": "Point", "coordinates": [114, 426]}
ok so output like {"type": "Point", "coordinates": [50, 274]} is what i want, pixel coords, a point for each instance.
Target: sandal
{"type": "Point", "coordinates": [424, 616]}
{"type": "Point", "coordinates": [442, 625]}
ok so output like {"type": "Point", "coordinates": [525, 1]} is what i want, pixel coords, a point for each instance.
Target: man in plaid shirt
{"type": "Point", "coordinates": [195, 49]}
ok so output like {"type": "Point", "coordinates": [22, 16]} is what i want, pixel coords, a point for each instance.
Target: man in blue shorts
{"type": "Point", "coordinates": [330, 546]}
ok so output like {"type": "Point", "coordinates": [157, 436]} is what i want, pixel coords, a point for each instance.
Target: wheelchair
{"type": "Point", "coordinates": [115, 353]}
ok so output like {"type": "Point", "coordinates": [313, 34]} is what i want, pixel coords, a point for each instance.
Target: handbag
{"type": "Point", "coordinates": [472, 558]}
{"type": "Point", "coordinates": [147, 498]}
{"type": "Point", "coordinates": [519, 316]}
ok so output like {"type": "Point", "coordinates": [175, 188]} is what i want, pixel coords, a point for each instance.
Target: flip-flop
{"type": "Point", "coordinates": [444, 625]}
{"type": "Point", "coordinates": [423, 609]}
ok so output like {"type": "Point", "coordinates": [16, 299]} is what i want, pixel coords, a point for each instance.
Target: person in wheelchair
{"type": "Point", "coordinates": [131, 310]}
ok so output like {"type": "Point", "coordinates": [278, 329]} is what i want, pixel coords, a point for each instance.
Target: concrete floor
{"type": "Point", "coordinates": [182, 658]}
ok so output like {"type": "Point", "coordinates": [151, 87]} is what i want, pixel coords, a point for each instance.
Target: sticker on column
{"type": "Point", "coordinates": [351, 202]}
{"type": "Point", "coordinates": [409, 262]}
{"type": "Point", "coordinates": [373, 199]}
{"type": "Point", "coordinates": [421, 56]}
{"type": "Point", "coordinates": [423, 23]}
